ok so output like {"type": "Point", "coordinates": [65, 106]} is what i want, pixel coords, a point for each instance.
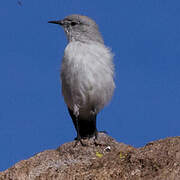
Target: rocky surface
{"type": "Point", "coordinates": [101, 160]}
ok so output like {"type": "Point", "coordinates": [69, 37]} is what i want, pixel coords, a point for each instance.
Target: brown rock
{"type": "Point", "coordinates": [101, 160]}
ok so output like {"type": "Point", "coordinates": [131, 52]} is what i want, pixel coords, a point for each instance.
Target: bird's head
{"type": "Point", "coordinates": [80, 28]}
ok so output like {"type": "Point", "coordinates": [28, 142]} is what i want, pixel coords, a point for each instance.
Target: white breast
{"type": "Point", "coordinates": [87, 76]}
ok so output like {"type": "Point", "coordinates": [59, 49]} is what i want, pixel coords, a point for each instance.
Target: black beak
{"type": "Point", "coordinates": [56, 22]}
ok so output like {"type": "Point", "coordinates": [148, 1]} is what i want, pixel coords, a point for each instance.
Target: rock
{"type": "Point", "coordinates": [102, 159]}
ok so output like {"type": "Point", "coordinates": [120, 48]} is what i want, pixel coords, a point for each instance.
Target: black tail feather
{"type": "Point", "coordinates": [85, 128]}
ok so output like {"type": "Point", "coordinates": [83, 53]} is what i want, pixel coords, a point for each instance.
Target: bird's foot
{"type": "Point", "coordinates": [78, 139]}
{"type": "Point", "coordinates": [96, 138]}
{"type": "Point", "coordinates": [97, 141]}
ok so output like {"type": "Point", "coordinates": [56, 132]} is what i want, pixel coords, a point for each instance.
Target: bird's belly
{"type": "Point", "coordinates": [88, 90]}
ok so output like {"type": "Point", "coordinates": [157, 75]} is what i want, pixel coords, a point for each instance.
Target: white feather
{"type": "Point", "coordinates": [87, 77]}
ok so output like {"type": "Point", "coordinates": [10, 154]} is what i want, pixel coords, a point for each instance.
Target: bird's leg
{"type": "Point", "coordinates": [96, 132]}
{"type": "Point", "coordinates": [74, 115]}
{"type": "Point", "coordinates": [94, 114]}
{"type": "Point", "coordinates": [93, 118]}
{"type": "Point", "coordinates": [78, 139]}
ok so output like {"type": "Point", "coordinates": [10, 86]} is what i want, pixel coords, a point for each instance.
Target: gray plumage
{"type": "Point", "coordinates": [87, 73]}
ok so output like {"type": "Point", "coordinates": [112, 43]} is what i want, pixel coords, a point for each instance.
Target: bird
{"type": "Point", "coordinates": [87, 73]}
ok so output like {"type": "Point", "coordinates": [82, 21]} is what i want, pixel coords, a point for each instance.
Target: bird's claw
{"type": "Point", "coordinates": [79, 140]}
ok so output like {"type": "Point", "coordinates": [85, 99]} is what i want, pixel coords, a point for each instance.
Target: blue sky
{"type": "Point", "coordinates": [143, 35]}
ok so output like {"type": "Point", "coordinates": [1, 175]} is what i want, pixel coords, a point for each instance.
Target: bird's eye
{"type": "Point", "coordinates": [73, 23]}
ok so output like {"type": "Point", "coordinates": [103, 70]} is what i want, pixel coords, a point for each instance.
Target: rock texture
{"type": "Point", "coordinates": [101, 160]}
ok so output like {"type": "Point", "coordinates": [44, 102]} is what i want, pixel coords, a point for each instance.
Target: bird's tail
{"type": "Point", "coordinates": [85, 127]}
